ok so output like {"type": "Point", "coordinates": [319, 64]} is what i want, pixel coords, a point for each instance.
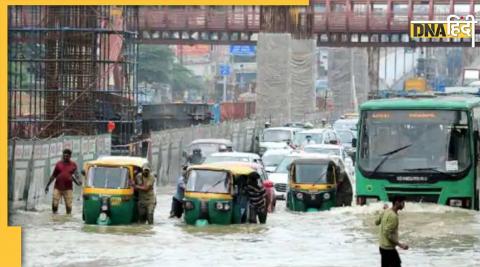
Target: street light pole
{"type": "Point", "coordinates": [224, 88]}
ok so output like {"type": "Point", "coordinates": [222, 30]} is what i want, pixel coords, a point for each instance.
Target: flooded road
{"type": "Point", "coordinates": [437, 235]}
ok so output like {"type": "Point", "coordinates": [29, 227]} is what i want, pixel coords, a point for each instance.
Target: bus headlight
{"type": "Point", "coordinates": [219, 205]}
{"type": "Point", "coordinates": [188, 205]}
{"type": "Point", "coordinates": [299, 195]}
{"type": "Point", "coordinates": [455, 203]}
{"type": "Point", "coordinates": [326, 196]}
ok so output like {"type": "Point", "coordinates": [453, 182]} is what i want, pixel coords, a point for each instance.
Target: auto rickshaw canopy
{"type": "Point", "coordinates": [118, 161]}
{"type": "Point", "coordinates": [235, 168]}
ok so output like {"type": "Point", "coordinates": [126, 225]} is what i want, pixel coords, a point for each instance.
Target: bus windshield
{"type": "Point", "coordinates": [414, 141]}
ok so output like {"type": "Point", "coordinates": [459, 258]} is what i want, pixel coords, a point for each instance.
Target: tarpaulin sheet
{"type": "Point", "coordinates": [233, 111]}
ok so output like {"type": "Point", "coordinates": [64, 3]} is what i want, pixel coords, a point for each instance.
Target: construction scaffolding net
{"type": "Point", "coordinates": [72, 69]}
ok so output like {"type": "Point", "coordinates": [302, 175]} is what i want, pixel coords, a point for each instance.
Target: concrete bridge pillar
{"type": "Point", "coordinates": [348, 79]}
{"type": "Point", "coordinates": [286, 72]}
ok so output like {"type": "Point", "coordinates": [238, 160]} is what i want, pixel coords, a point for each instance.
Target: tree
{"type": "Point", "coordinates": [156, 64]}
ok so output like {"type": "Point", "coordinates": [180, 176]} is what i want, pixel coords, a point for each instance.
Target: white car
{"type": "Point", "coordinates": [233, 157]}
{"type": "Point", "coordinates": [346, 124]}
{"type": "Point", "coordinates": [277, 138]}
{"type": "Point", "coordinates": [316, 136]}
{"type": "Point", "coordinates": [334, 150]}
{"type": "Point", "coordinates": [272, 158]}
{"type": "Point", "coordinates": [280, 176]}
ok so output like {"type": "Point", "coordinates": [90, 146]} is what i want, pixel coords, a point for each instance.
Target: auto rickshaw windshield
{"type": "Point", "coordinates": [312, 174]}
{"type": "Point", "coordinates": [108, 177]}
{"type": "Point", "coordinates": [207, 181]}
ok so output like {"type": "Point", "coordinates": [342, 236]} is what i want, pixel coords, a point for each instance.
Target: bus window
{"type": "Point", "coordinates": [400, 141]}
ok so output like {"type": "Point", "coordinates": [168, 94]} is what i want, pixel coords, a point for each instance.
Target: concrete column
{"type": "Point", "coordinates": [347, 73]}
{"type": "Point", "coordinates": [303, 69]}
{"type": "Point", "coordinates": [273, 79]}
{"type": "Point", "coordinates": [286, 71]}
{"type": "Point", "coordinates": [373, 54]}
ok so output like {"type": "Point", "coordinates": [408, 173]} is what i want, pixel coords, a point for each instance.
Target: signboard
{"type": "Point", "coordinates": [224, 70]}
{"type": "Point", "coordinates": [243, 50]}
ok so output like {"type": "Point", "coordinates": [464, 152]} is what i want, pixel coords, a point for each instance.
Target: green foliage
{"type": "Point", "coordinates": [157, 64]}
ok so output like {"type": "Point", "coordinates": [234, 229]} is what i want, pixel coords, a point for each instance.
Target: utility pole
{"type": "Point", "coordinates": [352, 81]}
{"type": "Point", "coordinates": [225, 88]}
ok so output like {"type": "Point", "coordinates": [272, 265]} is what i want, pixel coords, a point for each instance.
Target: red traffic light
{"type": "Point", "coordinates": [111, 126]}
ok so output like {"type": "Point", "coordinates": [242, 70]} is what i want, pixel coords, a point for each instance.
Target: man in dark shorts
{"type": "Point", "coordinates": [257, 198]}
{"type": "Point", "coordinates": [388, 234]}
{"type": "Point", "coordinates": [177, 199]}
{"type": "Point", "coordinates": [64, 173]}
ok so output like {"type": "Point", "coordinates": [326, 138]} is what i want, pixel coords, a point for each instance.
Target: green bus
{"type": "Point", "coordinates": [423, 148]}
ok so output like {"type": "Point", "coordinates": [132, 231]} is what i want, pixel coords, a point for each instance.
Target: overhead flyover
{"type": "Point", "coordinates": [347, 23]}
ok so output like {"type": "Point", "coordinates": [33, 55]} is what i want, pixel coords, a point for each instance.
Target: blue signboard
{"type": "Point", "coordinates": [224, 70]}
{"type": "Point", "coordinates": [243, 50]}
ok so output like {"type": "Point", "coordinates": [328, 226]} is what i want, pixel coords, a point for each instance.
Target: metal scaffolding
{"type": "Point", "coordinates": [71, 70]}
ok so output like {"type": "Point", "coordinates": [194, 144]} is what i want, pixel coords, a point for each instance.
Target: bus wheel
{"type": "Point", "coordinates": [476, 200]}
{"type": "Point", "coordinates": [361, 201]}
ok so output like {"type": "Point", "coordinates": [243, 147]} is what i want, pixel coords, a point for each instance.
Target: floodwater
{"type": "Point", "coordinates": [438, 236]}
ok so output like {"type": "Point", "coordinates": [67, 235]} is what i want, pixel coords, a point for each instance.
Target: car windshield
{"type": "Point", "coordinates": [206, 148]}
{"type": "Point", "coordinates": [312, 173]}
{"type": "Point", "coordinates": [345, 125]}
{"type": "Point", "coordinates": [207, 181]}
{"type": "Point", "coordinates": [402, 141]}
{"type": "Point", "coordinates": [108, 177]}
{"type": "Point", "coordinates": [282, 167]}
{"type": "Point", "coordinates": [323, 150]}
{"type": "Point", "coordinates": [345, 136]}
{"type": "Point", "coordinates": [301, 138]}
{"type": "Point", "coordinates": [272, 159]}
{"type": "Point", "coordinates": [276, 135]}
{"type": "Point", "coordinates": [213, 159]}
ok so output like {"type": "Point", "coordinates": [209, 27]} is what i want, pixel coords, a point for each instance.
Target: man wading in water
{"type": "Point", "coordinates": [64, 173]}
{"type": "Point", "coordinates": [388, 233]}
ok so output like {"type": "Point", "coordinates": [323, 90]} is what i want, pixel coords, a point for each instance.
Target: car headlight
{"type": "Point", "coordinates": [188, 205]}
{"type": "Point", "coordinates": [299, 195]}
{"type": "Point", "coordinates": [326, 196]}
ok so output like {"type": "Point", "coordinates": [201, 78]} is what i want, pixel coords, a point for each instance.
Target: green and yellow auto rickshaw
{"type": "Point", "coordinates": [108, 198]}
{"type": "Point", "coordinates": [312, 184]}
{"type": "Point", "coordinates": [212, 193]}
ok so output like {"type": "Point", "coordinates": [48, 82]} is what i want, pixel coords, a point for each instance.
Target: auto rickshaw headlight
{"type": "Point", "coordinates": [326, 196]}
{"type": "Point", "coordinates": [299, 195]}
{"type": "Point", "coordinates": [188, 205]}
